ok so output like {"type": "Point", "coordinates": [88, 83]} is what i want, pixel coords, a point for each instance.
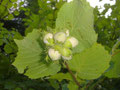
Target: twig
{"type": "Point", "coordinates": [116, 45]}
{"type": "Point", "coordinates": [115, 53]}
{"type": "Point", "coordinates": [73, 76]}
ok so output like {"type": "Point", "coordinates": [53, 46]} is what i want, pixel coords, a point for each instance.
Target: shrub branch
{"type": "Point", "coordinates": [73, 76]}
{"type": "Point", "coordinates": [115, 53]}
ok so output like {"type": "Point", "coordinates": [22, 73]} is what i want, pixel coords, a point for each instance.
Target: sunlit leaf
{"type": "Point", "coordinates": [77, 16]}
{"type": "Point", "coordinates": [91, 63]}
{"type": "Point", "coordinates": [30, 57]}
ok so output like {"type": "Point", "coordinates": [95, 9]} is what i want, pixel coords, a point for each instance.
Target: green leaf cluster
{"type": "Point", "coordinates": [90, 59]}
{"type": "Point", "coordinates": [30, 57]}
{"type": "Point", "coordinates": [77, 16]}
{"type": "Point", "coordinates": [41, 13]}
{"type": "Point", "coordinates": [114, 71]}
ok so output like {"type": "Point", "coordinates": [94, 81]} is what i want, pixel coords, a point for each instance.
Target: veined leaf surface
{"type": "Point", "coordinates": [91, 63]}
{"type": "Point", "coordinates": [30, 57]}
{"type": "Point", "coordinates": [77, 16]}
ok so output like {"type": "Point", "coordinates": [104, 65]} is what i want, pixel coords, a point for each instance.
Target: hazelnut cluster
{"type": "Point", "coordinates": [60, 44]}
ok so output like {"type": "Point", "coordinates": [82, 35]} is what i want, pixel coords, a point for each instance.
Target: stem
{"type": "Point", "coordinates": [115, 53]}
{"type": "Point", "coordinates": [116, 45]}
{"type": "Point", "coordinates": [73, 76]}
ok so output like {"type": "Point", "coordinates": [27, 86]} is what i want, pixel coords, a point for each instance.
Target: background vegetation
{"type": "Point", "coordinates": [18, 19]}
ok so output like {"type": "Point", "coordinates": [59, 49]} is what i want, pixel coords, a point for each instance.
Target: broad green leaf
{"type": "Point", "coordinates": [114, 72]}
{"type": "Point", "coordinates": [54, 84]}
{"type": "Point", "coordinates": [21, 3]}
{"type": "Point", "coordinates": [4, 2]}
{"type": "Point", "coordinates": [30, 57]}
{"type": "Point", "coordinates": [8, 49]}
{"type": "Point", "coordinates": [13, 0]}
{"type": "Point", "coordinates": [10, 4]}
{"type": "Point", "coordinates": [27, 13]}
{"type": "Point", "coordinates": [15, 5]}
{"type": "Point", "coordinates": [77, 16]}
{"type": "Point", "coordinates": [2, 8]}
{"type": "Point", "coordinates": [91, 63]}
{"type": "Point", "coordinates": [61, 76]}
{"type": "Point", "coordinates": [72, 86]}
{"type": "Point", "coordinates": [16, 12]}
{"type": "Point", "coordinates": [1, 42]}
{"type": "Point", "coordinates": [66, 76]}
{"type": "Point", "coordinates": [10, 16]}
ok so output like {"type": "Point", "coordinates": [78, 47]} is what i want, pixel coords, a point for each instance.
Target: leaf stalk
{"type": "Point", "coordinates": [73, 76]}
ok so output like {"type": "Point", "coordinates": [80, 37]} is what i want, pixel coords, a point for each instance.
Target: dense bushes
{"type": "Point", "coordinates": [18, 19]}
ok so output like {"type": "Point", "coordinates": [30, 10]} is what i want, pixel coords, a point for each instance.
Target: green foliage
{"type": "Point", "coordinates": [30, 57]}
{"type": "Point", "coordinates": [16, 80]}
{"type": "Point", "coordinates": [8, 49]}
{"type": "Point", "coordinates": [42, 13]}
{"type": "Point", "coordinates": [91, 63]}
{"type": "Point", "coordinates": [61, 76]}
{"type": "Point", "coordinates": [9, 14]}
{"type": "Point", "coordinates": [116, 46]}
{"type": "Point", "coordinates": [4, 64]}
{"type": "Point", "coordinates": [6, 9]}
{"type": "Point", "coordinates": [114, 71]}
{"type": "Point", "coordinates": [77, 16]}
{"type": "Point", "coordinates": [108, 34]}
{"type": "Point", "coordinates": [90, 60]}
{"type": "Point", "coordinates": [72, 86]}
{"type": "Point", "coordinates": [54, 84]}
{"type": "Point", "coordinates": [107, 28]}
